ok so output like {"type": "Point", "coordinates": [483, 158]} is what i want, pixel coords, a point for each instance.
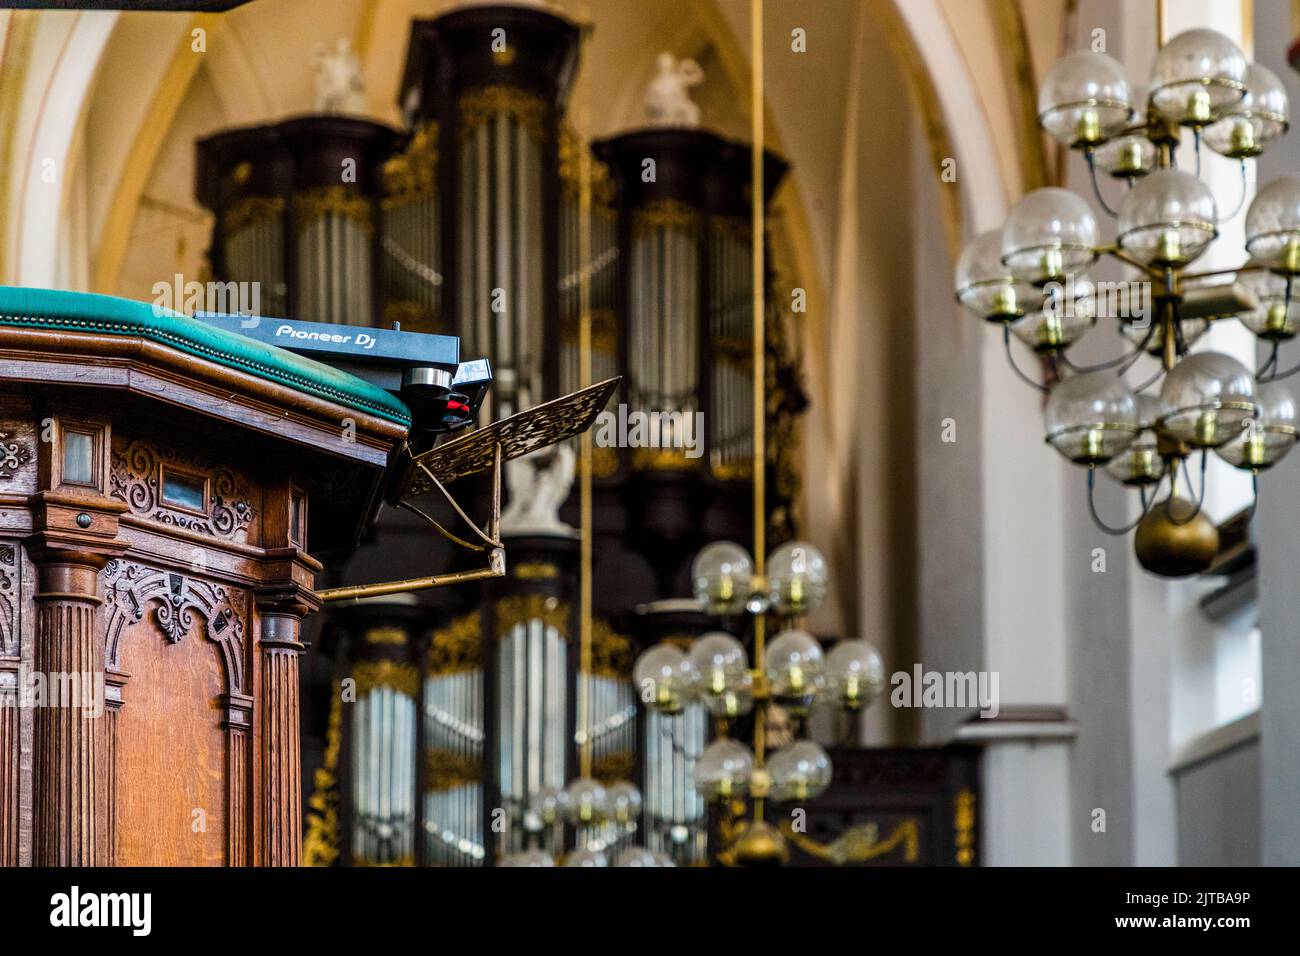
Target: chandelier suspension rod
{"type": "Point", "coordinates": [759, 362]}
{"type": "Point", "coordinates": [585, 449]}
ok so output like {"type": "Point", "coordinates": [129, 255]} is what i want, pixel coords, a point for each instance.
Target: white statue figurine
{"type": "Point", "coordinates": [339, 87]}
{"type": "Point", "coordinates": [667, 102]}
{"type": "Point", "coordinates": [537, 490]}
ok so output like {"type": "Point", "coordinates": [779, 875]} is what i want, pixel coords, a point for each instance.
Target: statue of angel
{"type": "Point", "coordinates": [339, 87]}
{"type": "Point", "coordinates": [538, 483]}
{"type": "Point", "coordinates": [667, 102]}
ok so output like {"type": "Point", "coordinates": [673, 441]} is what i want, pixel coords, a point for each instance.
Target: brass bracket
{"type": "Point", "coordinates": [491, 543]}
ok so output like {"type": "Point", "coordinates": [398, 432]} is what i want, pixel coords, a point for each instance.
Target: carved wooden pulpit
{"type": "Point", "coordinates": [163, 486]}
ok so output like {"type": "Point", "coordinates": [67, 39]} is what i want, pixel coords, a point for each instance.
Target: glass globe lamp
{"type": "Point", "coordinates": [637, 856]}
{"type": "Point", "coordinates": [1068, 310]}
{"type": "Point", "coordinates": [723, 575]}
{"type": "Point", "coordinates": [855, 674]}
{"type": "Point", "coordinates": [1091, 417]}
{"type": "Point", "coordinates": [585, 802]}
{"type": "Point", "coordinates": [623, 800]}
{"type": "Point", "coordinates": [1263, 440]}
{"type": "Point", "coordinates": [1206, 397]}
{"type": "Point", "coordinates": [720, 675]}
{"type": "Point", "coordinates": [1084, 99]}
{"type": "Point", "coordinates": [797, 578]}
{"type": "Point", "coordinates": [1140, 464]}
{"type": "Point", "coordinates": [1254, 121]}
{"type": "Point", "coordinates": [1050, 233]}
{"type": "Point", "coordinates": [527, 858]}
{"type": "Point", "coordinates": [1126, 157]}
{"type": "Point", "coordinates": [545, 807]}
{"type": "Point", "coordinates": [801, 771]}
{"type": "Point", "coordinates": [1197, 77]}
{"type": "Point", "coordinates": [1167, 219]}
{"type": "Point", "coordinates": [1275, 319]}
{"type": "Point", "coordinates": [985, 287]}
{"type": "Point", "coordinates": [1273, 226]}
{"type": "Point", "coordinates": [794, 669]}
{"type": "Point", "coordinates": [662, 674]}
{"type": "Point", "coordinates": [723, 769]}
{"type": "Point", "coordinates": [585, 856]}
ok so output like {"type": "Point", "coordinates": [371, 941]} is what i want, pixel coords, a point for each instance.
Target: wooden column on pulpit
{"type": "Point", "coordinates": [163, 487]}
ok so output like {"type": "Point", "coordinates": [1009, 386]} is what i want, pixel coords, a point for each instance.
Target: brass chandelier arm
{"type": "Point", "coordinates": [1127, 360]}
{"type": "Point", "coordinates": [1115, 252]}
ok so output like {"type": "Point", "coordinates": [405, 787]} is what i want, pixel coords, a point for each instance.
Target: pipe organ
{"type": "Point", "coordinates": [468, 222]}
{"type": "Point", "coordinates": [296, 207]}
{"type": "Point", "coordinates": [490, 83]}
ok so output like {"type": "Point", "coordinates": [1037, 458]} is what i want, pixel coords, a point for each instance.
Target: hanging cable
{"type": "Point", "coordinates": [1241, 200]}
{"type": "Point", "coordinates": [1286, 305]}
{"type": "Point", "coordinates": [1128, 357]}
{"type": "Point", "coordinates": [1011, 360]}
{"type": "Point", "coordinates": [1200, 498]}
{"type": "Point", "coordinates": [1096, 518]}
{"type": "Point", "coordinates": [1270, 364]}
{"type": "Point", "coordinates": [1196, 145]}
{"type": "Point", "coordinates": [1096, 187]}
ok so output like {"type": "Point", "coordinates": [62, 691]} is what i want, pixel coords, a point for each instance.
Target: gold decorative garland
{"type": "Point", "coordinates": [522, 608]}
{"type": "Point", "coordinates": [251, 211]}
{"type": "Point", "coordinates": [482, 104]}
{"type": "Point", "coordinates": [314, 204]}
{"type": "Point", "coordinates": [457, 647]}
{"type": "Point", "coordinates": [412, 175]}
{"type": "Point", "coordinates": [320, 846]}
{"type": "Point", "coordinates": [371, 675]}
{"type": "Point", "coordinates": [446, 770]}
{"type": "Point", "coordinates": [664, 214]}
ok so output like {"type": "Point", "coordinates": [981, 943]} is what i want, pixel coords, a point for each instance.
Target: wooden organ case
{"type": "Point", "coordinates": [162, 485]}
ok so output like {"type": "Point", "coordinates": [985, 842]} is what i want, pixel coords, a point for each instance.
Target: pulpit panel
{"type": "Point", "coordinates": [170, 763]}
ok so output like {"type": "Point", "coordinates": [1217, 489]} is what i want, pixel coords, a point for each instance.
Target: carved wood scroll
{"type": "Point", "coordinates": [137, 479]}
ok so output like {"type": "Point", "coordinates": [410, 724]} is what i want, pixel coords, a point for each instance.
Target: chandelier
{"type": "Point", "coordinates": [790, 671]}
{"type": "Point", "coordinates": [1031, 276]}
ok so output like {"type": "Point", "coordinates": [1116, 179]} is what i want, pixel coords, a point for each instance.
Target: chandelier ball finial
{"type": "Point", "coordinates": [1085, 99]}
{"type": "Point", "coordinates": [1197, 77]}
{"type": "Point", "coordinates": [586, 856]}
{"type": "Point", "coordinates": [1206, 397]}
{"type": "Point", "coordinates": [1273, 226]}
{"type": "Point", "coordinates": [1254, 121]}
{"type": "Point", "coordinates": [1091, 417]}
{"type": "Point", "coordinates": [1264, 440]}
{"type": "Point", "coordinates": [1168, 219]}
{"type": "Point", "coordinates": [1050, 234]}
{"type": "Point", "coordinates": [1176, 539]}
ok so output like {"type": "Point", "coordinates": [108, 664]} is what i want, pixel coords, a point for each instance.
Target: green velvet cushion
{"type": "Point", "coordinates": [106, 314]}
